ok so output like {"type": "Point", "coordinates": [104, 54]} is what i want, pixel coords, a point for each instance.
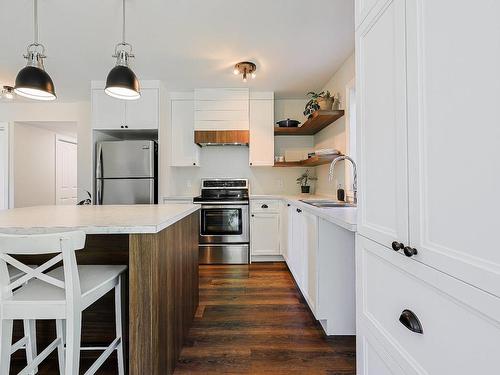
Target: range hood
{"type": "Point", "coordinates": [221, 137]}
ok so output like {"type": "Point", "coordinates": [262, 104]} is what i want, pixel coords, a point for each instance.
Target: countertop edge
{"type": "Point", "coordinates": [295, 200]}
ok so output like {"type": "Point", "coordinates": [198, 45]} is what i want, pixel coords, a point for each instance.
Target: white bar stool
{"type": "Point", "coordinates": [61, 294]}
{"type": "Point", "coordinates": [28, 341]}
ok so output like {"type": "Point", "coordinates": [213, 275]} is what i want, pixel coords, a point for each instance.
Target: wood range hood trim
{"type": "Point", "coordinates": [222, 137]}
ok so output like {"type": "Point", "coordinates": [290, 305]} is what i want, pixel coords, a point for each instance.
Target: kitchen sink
{"type": "Point", "coordinates": [326, 204]}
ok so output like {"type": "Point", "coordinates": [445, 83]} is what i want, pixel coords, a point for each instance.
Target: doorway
{"type": "Point", "coordinates": [43, 165]}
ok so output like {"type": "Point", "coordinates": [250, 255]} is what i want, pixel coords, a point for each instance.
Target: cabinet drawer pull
{"type": "Point", "coordinates": [409, 251]}
{"type": "Point", "coordinates": [264, 206]}
{"type": "Point", "coordinates": [410, 321]}
{"type": "Point", "coordinates": [299, 210]}
{"type": "Point", "coordinates": [396, 246]}
{"type": "Point", "coordinates": [253, 215]}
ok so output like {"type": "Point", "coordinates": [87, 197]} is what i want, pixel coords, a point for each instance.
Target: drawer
{"type": "Point", "coordinates": [265, 206]}
{"type": "Point", "coordinates": [461, 324]}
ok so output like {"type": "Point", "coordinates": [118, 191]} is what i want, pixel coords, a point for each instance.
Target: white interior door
{"type": "Point", "coordinates": [4, 166]}
{"type": "Point", "coordinates": [382, 126]}
{"type": "Point", "coordinates": [66, 171]}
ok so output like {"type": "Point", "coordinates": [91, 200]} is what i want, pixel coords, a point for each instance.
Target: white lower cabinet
{"type": "Point", "coordinates": [264, 234]}
{"type": "Point", "coordinates": [320, 257]}
{"type": "Point", "coordinates": [460, 324]}
{"type": "Point", "coordinates": [265, 225]}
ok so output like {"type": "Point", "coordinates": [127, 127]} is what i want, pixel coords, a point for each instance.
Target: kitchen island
{"type": "Point", "coordinates": [159, 243]}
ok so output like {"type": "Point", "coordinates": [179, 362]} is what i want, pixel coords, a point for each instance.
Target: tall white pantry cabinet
{"type": "Point", "coordinates": [427, 262]}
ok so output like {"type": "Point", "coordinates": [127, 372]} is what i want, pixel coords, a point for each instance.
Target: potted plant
{"type": "Point", "coordinates": [304, 180]}
{"type": "Point", "coordinates": [323, 100]}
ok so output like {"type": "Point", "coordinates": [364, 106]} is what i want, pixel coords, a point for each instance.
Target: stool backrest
{"type": "Point", "coordinates": [63, 244]}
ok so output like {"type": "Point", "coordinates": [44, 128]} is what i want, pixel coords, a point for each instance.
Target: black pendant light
{"type": "Point", "coordinates": [122, 83]}
{"type": "Point", "coordinates": [33, 81]}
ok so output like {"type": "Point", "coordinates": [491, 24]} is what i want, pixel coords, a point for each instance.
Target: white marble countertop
{"type": "Point", "coordinates": [94, 219]}
{"type": "Point", "coordinates": [345, 217]}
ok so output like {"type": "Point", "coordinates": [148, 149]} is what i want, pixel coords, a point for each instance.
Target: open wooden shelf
{"type": "Point", "coordinates": [318, 121]}
{"type": "Point", "coordinates": [311, 162]}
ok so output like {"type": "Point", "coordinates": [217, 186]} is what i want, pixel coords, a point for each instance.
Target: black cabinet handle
{"type": "Point", "coordinates": [299, 210]}
{"type": "Point", "coordinates": [410, 251]}
{"type": "Point", "coordinates": [410, 321]}
{"type": "Point", "coordinates": [121, 126]}
{"type": "Point", "coordinates": [126, 126]}
{"type": "Point", "coordinates": [288, 204]}
{"type": "Point", "coordinates": [251, 163]}
{"type": "Point", "coordinates": [194, 163]}
{"type": "Point", "coordinates": [264, 206]}
{"type": "Point", "coordinates": [253, 215]}
{"type": "Point", "coordinates": [396, 246]}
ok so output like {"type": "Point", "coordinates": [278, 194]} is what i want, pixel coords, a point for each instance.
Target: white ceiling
{"type": "Point", "coordinates": [296, 44]}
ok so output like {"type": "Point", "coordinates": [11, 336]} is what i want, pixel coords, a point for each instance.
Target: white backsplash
{"type": "Point", "coordinates": [232, 161]}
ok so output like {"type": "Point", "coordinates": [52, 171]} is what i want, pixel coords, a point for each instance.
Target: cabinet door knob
{"type": "Point", "coordinates": [396, 246]}
{"type": "Point", "coordinates": [410, 251]}
{"type": "Point", "coordinates": [194, 163]}
{"type": "Point", "coordinates": [251, 163]}
{"type": "Point", "coordinates": [299, 210]}
{"type": "Point", "coordinates": [288, 204]}
{"type": "Point", "coordinates": [121, 126]}
{"type": "Point", "coordinates": [264, 206]}
{"type": "Point", "coordinates": [410, 321]}
{"type": "Point", "coordinates": [253, 215]}
{"type": "Point", "coordinates": [126, 126]}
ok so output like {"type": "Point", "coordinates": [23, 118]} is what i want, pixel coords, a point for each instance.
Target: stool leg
{"type": "Point", "coordinates": [60, 347]}
{"type": "Point", "coordinates": [73, 340]}
{"type": "Point", "coordinates": [5, 345]}
{"type": "Point", "coordinates": [118, 314]}
{"type": "Point", "coordinates": [30, 333]}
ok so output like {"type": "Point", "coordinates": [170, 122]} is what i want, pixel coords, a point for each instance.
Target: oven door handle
{"type": "Point", "coordinates": [218, 206]}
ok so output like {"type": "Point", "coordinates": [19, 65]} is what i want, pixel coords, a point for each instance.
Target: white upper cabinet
{"type": "Point", "coordinates": [382, 126]}
{"type": "Point", "coordinates": [184, 152]}
{"type": "Point", "coordinates": [262, 130]}
{"type": "Point", "coordinates": [144, 112]}
{"type": "Point", "coordinates": [107, 112]}
{"type": "Point", "coordinates": [221, 109]}
{"type": "Point", "coordinates": [110, 113]}
{"type": "Point", "coordinates": [454, 137]}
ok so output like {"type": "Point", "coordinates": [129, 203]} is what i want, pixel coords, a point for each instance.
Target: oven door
{"type": "Point", "coordinates": [224, 224]}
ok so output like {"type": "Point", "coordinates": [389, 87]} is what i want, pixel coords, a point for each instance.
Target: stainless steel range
{"type": "Point", "coordinates": [224, 221]}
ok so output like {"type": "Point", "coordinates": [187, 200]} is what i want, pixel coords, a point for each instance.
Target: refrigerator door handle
{"type": "Point", "coordinates": [99, 172]}
{"type": "Point", "coordinates": [100, 187]}
{"type": "Point", "coordinates": [152, 191]}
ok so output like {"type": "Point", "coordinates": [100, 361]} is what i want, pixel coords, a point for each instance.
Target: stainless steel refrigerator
{"type": "Point", "coordinates": [126, 172]}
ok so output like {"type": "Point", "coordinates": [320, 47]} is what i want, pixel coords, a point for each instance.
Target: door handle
{"type": "Point", "coordinates": [396, 246]}
{"type": "Point", "coordinates": [410, 321]}
{"type": "Point", "coordinates": [410, 251]}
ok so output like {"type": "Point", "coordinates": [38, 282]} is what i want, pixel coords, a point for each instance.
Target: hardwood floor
{"type": "Point", "coordinates": [253, 320]}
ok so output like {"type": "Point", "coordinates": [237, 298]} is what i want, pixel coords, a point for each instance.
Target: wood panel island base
{"type": "Point", "coordinates": [160, 246]}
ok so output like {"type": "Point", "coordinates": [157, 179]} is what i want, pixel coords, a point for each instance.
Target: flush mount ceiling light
{"type": "Point", "coordinates": [245, 68]}
{"type": "Point", "coordinates": [122, 83]}
{"type": "Point", "coordinates": [33, 81]}
{"type": "Point", "coordinates": [7, 92]}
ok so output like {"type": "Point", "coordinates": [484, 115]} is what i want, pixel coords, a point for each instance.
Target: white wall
{"type": "Point", "coordinates": [335, 134]}
{"type": "Point", "coordinates": [78, 112]}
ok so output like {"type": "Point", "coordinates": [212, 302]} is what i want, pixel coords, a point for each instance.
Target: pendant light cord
{"type": "Point", "coordinates": [35, 21]}
{"type": "Point", "coordinates": [123, 25]}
